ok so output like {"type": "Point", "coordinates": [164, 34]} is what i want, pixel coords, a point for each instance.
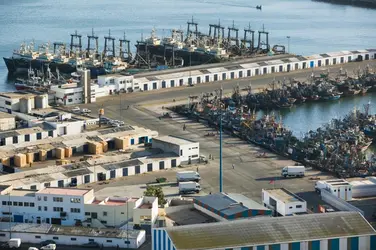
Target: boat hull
{"type": "Point", "coordinates": [19, 65]}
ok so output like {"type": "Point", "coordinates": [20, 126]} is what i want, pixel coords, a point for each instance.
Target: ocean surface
{"type": "Point", "coordinates": [313, 27]}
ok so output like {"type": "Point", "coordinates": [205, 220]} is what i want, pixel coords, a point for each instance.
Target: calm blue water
{"type": "Point", "coordinates": [314, 27]}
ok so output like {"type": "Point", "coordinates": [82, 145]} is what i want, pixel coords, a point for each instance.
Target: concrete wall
{"type": "Point", "coordinates": [7, 123]}
{"type": "Point", "coordinates": [111, 215]}
{"type": "Point", "coordinates": [338, 203]}
{"type": "Point", "coordinates": [36, 238]}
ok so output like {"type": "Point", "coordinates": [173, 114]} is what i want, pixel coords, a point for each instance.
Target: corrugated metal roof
{"type": "Point", "coordinates": [229, 204]}
{"type": "Point", "coordinates": [269, 230]}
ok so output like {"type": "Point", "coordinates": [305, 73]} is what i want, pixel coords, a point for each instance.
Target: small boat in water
{"type": "Point", "coordinates": [259, 7]}
{"type": "Point", "coordinates": [331, 97]}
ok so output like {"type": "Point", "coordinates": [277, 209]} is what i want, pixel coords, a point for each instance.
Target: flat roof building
{"type": "Point", "coordinates": [222, 206]}
{"type": "Point", "coordinates": [189, 151]}
{"type": "Point", "coordinates": [283, 202]}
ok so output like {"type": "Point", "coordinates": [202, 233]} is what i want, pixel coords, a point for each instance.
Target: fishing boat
{"type": "Point", "coordinates": [331, 97]}
{"type": "Point", "coordinates": [370, 131]}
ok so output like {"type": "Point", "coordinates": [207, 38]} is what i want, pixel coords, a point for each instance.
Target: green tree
{"type": "Point", "coordinates": [155, 192]}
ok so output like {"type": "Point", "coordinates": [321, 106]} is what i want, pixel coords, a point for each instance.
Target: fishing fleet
{"type": "Point", "coordinates": [153, 53]}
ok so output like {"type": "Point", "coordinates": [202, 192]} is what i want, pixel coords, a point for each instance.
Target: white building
{"type": "Point", "coordinates": [189, 151]}
{"type": "Point", "coordinates": [283, 202]}
{"type": "Point", "coordinates": [72, 206]}
{"type": "Point", "coordinates": [19, 136]}
{"type": "Point", "coordinates": [338, 187]}
{"type": "Point", "coordinates": [67, 235]}
{"type": "Point", "coordinates": [7, 121]}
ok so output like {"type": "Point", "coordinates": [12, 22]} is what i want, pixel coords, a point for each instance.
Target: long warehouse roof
{"type": "Point", "coordinates": [270, 230]}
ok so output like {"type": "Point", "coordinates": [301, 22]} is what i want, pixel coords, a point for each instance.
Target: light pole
{"type": "Point", "coordinates": [220, 144]}
{"type": "Point", "coordinates": [288, 44]}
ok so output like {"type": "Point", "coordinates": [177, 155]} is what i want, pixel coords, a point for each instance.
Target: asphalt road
{"type": "Point", "coordinates": [250, 174]}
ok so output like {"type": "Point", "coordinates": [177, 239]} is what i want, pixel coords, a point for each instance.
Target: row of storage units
{"type": "Point", "coordinates": [72, 175]}
{"type": "Point", "coordinates": [236, 71]}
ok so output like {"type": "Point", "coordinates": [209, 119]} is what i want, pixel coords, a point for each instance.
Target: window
{"type": "Point", "coordinates": [15, 203]}
{"type": "Point", "coordinates": [9, 203]}
{"type": "Point", "coordinates": [127, 242]}
{"type": "Point", "coordinates": [45, 208]}
{"type": "Point", "coordinates": [290, 207]}
{"type": "Point", "coordinates": [37, 237]}
{"type": "Point", "coordinates": [150, 167]}
{"type": "Point", "coordinates": [27, 137]}
{"type": "Point", "coordinates": [58, 209]}
{"type": "Point", "coordinates": [34, 187]}
{"type": "Point", "coordinates": [32, 204]}
{"type": "Point", "coordinates": [2, 235]}
{"type": "Point", "coordinates": [349, 189]}
{"type": "Point", "coordinates": [73, 239]}
{"type": "Point", "coordinates": [298, 206]}
{"type": "Point", "coordinates": [20, 204]}
{"type": "Point", "coordinates": [195, 148]}
{"type": "Point", "coordinates": [39, 136]}
{"type": "Point", "coordinates": [15, 139]}
{"type": "Point", "coordinates": [75, 210]}
{"type": "Point", "coordinates": [103, 222]}
{"type": "Point", "coordinates": [104, 213]}
{"type": "Point", "coordinates": [75, 200]}
{"type": "Point", "coordinates": [47, 184]}
{"type": "Point", "coordinates": [26, 204]}
{"type": "Point", "coordinates": [55, 238]}
{"type": "Point", "coordinates": [108, 240]}
{"type": "Point", "coordinates": [4, 203]}
{"type": "Point", "coordinates": [57, 199]}
{"type": "Point", "coordinates": [51, 133]}
{"type": "Point", "coordinates": [94, 215]}
{"type": "Point", "coordinates": [45, 198]}
{"type": "Point", "coordinates": [91, 240]}
{"type": "Point", "coordinates": [194, 156]}
{"type": "Point", "coordinates": [87, 213]}
{"type": "Point", "coordinates": [8, 103]}
{"type": "Point", "coordinates": [70, 100]}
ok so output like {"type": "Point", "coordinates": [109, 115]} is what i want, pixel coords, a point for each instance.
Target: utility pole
{"type": "Point", "coordinates": [288, 44]}
{"type": "Point", "coordinates": [220, 144]}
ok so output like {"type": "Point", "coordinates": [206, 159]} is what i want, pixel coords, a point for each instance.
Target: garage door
{"type": "Point", "coordinates": [56, 221]}
{"type": "Point", "coordinates": [18, 218]}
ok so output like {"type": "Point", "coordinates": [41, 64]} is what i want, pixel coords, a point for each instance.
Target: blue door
{"type": "Point", "coordinates": [18, 218]}
{"type": "Point", "coordinates": [312, 64]}
{"type": "Point", "coordinates": [132, 141]}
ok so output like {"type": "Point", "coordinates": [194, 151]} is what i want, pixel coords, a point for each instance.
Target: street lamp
{"type": "Point", "coordinates": [288, 44]}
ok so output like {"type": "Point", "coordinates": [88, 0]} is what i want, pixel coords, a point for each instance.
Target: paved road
{"type": "Point", "coordinates": [251, 174]}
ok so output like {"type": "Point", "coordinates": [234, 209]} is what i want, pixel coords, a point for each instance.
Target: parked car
{"type": "Point", "coordinates": [46, 242]}
{"type": "Point", "coordinates": [49, 247]}
{"type": "Point", "coordinates": [86, 111]}
{"type": "Point", "coordinates": [75, 109]}
{"type": "Point", "coordinates": [32, 248]}
{"type": "Point", "coordinates": [91, 244]}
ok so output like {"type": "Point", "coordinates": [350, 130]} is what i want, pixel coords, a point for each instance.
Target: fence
{"type": "Point", "coordinates": [338, 202]}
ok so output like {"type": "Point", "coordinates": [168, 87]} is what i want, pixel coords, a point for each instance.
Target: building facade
{"type": "Point", "coordinates": [283, 202]}
{"type": "Point", "coordinates": [189, 151]}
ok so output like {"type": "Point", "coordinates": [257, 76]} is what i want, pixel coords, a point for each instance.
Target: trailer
{"type": "Point", "coordinates": [293, 171]}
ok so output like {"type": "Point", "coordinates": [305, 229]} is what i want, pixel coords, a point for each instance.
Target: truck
{"type": "Point", "coordinates": [293, 171]}
{"type": "Point", "coordinates": [188, 176]}
{"type": "Point", "coordinates": [189, 187]}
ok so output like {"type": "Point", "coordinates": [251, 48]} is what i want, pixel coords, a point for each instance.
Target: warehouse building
{"type": "Point", "coordinates": [36, 233]}
{"type": "Point", "coordinates": [283, 202]}
{"type": "Point", "coordinates": [326, 231]}
{"type": "Point", "coordinates": [189, 151]}
{"type": "Point", "coordinates": [91, 170]}
{"type": "Point", "coordinates": [222, 206]}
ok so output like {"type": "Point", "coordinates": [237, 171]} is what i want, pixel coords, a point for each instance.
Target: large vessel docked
{"type": "Point", "coordinates": [199, 48]}
{"type": "Point", "coordinates": [68, 61]}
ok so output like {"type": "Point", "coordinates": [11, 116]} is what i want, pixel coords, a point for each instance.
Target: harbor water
{"type": "Point", "coordinates": [313, 27]}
